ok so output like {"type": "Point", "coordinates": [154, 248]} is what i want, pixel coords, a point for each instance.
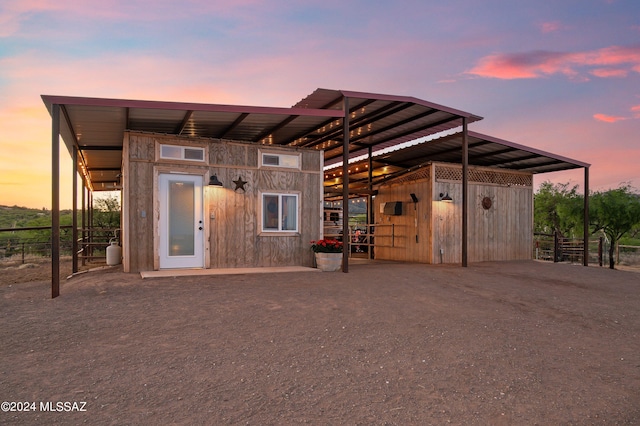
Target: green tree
{"type": "Point", "coordinates": [106, 212]}
{"type": "Point", "coordinates": [615, 212]}
{"type": "Point", "coordinates": [558, 208]}
{"type": "Point", "coordinates": [106, 216]}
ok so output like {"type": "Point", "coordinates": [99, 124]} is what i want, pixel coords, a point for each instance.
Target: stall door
{"type": "Point", "coordinates": [181, 221]}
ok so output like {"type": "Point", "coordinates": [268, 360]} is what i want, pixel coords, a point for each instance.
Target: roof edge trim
{"type": "Point", "coordinates": [124, 103]}
{"type": "Point", "coordinates": [527, 148]}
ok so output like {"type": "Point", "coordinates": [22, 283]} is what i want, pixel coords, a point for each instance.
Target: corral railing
{"type": "Point", "coordinates": [554, 248]}
{"type": "Point", "coordinates": [627, 255]}
{"type": "Point", "coordinates": [93, 243]}
{"type": "Point", "coordinates": [362, 238]}
{"type": "Point", "coordinates": [26, 243]}
{"type": "Point", "coordinates": [23, 244]}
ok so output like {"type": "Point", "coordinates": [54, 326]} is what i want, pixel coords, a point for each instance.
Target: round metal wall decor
{"type": "Point", "coordinates": [486, 203]}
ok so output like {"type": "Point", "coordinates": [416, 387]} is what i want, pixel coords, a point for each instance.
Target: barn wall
{"type": "Point", "coordinates": [395, 235]}
{"type": "Point", "coordinates": [137, 202]}
{"type": "Point", "coordinates": [232, 217]}
{"type": "Point", "coordinates": [503, 231]}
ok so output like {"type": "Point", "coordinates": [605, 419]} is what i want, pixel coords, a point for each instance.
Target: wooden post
{"type": "Point", "coordinates": [556, 247]}
{"type": "Point", "coordinates": [345, 187]}
{"type": "Point", "coordinates": [600, 245]}
{"type": "Point", "coordinates": [393, 235]}
{"type": "Point", "coordinates": [55, 201]}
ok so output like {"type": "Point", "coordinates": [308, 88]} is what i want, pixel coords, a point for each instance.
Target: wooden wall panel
{"type": "Point", "coordinates": [140, 183]}
{"type": "Point", "coordinates": [414, 221]}
{"type": "Point", "coordinates": [228, 154]}
{"type": "Point", "coordinates": [447, 223]}
{"type": "Point", "coordinates": [234, 237]}
{"type": "Point", "coordinates": [143, 148]}
{"type": "Point", "coordinates": [502, 232]}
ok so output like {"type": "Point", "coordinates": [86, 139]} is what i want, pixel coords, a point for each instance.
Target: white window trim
{"type": "Point", "coordinates": [182, 149]}
{"type": "Point", "coordinates": [297, 155]}
{"type": "Point", "coordinates": [279, 231]}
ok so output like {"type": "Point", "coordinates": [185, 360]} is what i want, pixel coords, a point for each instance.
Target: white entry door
{"type": "Point", "coordinates": [181, 221]}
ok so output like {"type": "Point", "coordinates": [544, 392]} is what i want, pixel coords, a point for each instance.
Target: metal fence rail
{"type": "Point", "coordinates": [554, 248]}
{"type": "Point", "coordinates": [15, 245]}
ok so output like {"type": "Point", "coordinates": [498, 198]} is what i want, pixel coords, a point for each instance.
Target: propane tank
{"type": "Point", "coordinates": [114, 253]}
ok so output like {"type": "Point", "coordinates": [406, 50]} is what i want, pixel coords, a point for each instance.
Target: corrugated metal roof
{"type": "Point", "coordinates": [379, 121]}
{"type": "Point", "coordinates": [96, 125]}
{"type": "Point", "coordinates": [484, 151]}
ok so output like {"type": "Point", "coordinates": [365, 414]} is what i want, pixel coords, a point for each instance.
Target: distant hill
{"type": "Point", "coordinates": [20, 217]}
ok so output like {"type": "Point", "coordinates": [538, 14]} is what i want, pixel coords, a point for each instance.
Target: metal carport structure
{"type": "Point", "coordinates": [345, 124]}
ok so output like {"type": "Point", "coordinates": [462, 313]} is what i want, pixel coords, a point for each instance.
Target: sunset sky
{"type": "Point", "coordinates": [561, 76]}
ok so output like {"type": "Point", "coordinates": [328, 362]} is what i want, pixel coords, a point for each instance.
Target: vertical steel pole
{"type": "Point", "coordinates": [90, 228]}
{"type": "Point", "coordinates": [74, 212]}
{"type": "Point", "coordinates": [84, 222]}
{"type": "Point", "coordinates": [465, 191]}
{"type": "Point", "coordinates": [55, 201]}
{"type": "Point", "coordinates": [345, 187]}
{"type": "Point", "coordinates": [585, 256]}
{"type": "Point", "coordinates": [370, 212]}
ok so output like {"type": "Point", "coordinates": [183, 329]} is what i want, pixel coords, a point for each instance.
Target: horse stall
{"type": "Point", "coordinates": [418, 216]}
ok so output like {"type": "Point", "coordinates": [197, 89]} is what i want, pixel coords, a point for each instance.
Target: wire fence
{"type": "Point", "coordinates": [25, 245]}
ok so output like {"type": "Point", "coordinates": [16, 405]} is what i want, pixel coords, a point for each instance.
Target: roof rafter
{"type": "Point", "coordinates": [233, 125]}
{"type": "Point", "coordinates": [183, 124]}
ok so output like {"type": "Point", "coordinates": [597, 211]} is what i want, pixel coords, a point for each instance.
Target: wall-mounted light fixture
{"type": "Point", "coordinates": [446, 198]}
{"type": "Point", "coordinates": [213, 181]}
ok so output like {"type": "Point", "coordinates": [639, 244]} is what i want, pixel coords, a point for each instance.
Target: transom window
{"type": "Point", "coordinates": [180, 152]}
{"type": "Point", "coordinates": [279, 212]}
{"type": "Point", "coordinates": [271, 159]}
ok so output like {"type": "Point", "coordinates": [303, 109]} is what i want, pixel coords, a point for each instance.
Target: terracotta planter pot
{"type": "Point", "coordinates": [329, 262]}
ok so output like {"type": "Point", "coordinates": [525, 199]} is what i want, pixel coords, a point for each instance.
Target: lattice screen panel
{"type": "Point", "coordinates": [484, 175]}
{"type": "Point", "coordinates": [422, 173]}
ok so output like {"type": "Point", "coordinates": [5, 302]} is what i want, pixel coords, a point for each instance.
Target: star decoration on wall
{"type": "Point", "coordinates": [240, 184]}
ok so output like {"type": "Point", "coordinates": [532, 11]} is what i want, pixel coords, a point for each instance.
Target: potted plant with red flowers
{"type": "Point", "coordinates": [328, 253]}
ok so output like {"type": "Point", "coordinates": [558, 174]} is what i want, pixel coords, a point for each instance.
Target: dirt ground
{"type": "Point", "coordinates": [495, 343]}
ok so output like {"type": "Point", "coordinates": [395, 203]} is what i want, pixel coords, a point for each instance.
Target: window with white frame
{"type": "Point", "coordinates": [277, 159]}
{"type": "Point", "coordinates": [279, 212]}
{"type": "Point", "coordinates": [180, 152]}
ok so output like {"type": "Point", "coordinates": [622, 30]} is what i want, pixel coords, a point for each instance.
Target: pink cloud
{"type": "Point", "coordinates": [538, 64]}
{"type": "Point", "coordinates": [608, 118]}
{"type": "Point", "coordinates": [549, 27]}
{"type": "Point", "coordinates": [609, 72]}
{"type": "Point", "coordinates": [517, 65]}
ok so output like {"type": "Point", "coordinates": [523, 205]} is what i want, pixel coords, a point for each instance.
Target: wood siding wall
{"type": "Point", "coordinates": [504, 231]}
{"type": "Point", "coordinates": [232, 217]}
{"type": "Point", "coordinates": [395, 236]}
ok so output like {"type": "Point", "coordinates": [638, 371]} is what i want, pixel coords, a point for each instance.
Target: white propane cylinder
{"type": "Point", "coordinates": [114, 254]}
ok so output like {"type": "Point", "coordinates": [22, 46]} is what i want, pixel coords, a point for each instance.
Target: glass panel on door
{"type": "Point", "coordinates": [181, 218]}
